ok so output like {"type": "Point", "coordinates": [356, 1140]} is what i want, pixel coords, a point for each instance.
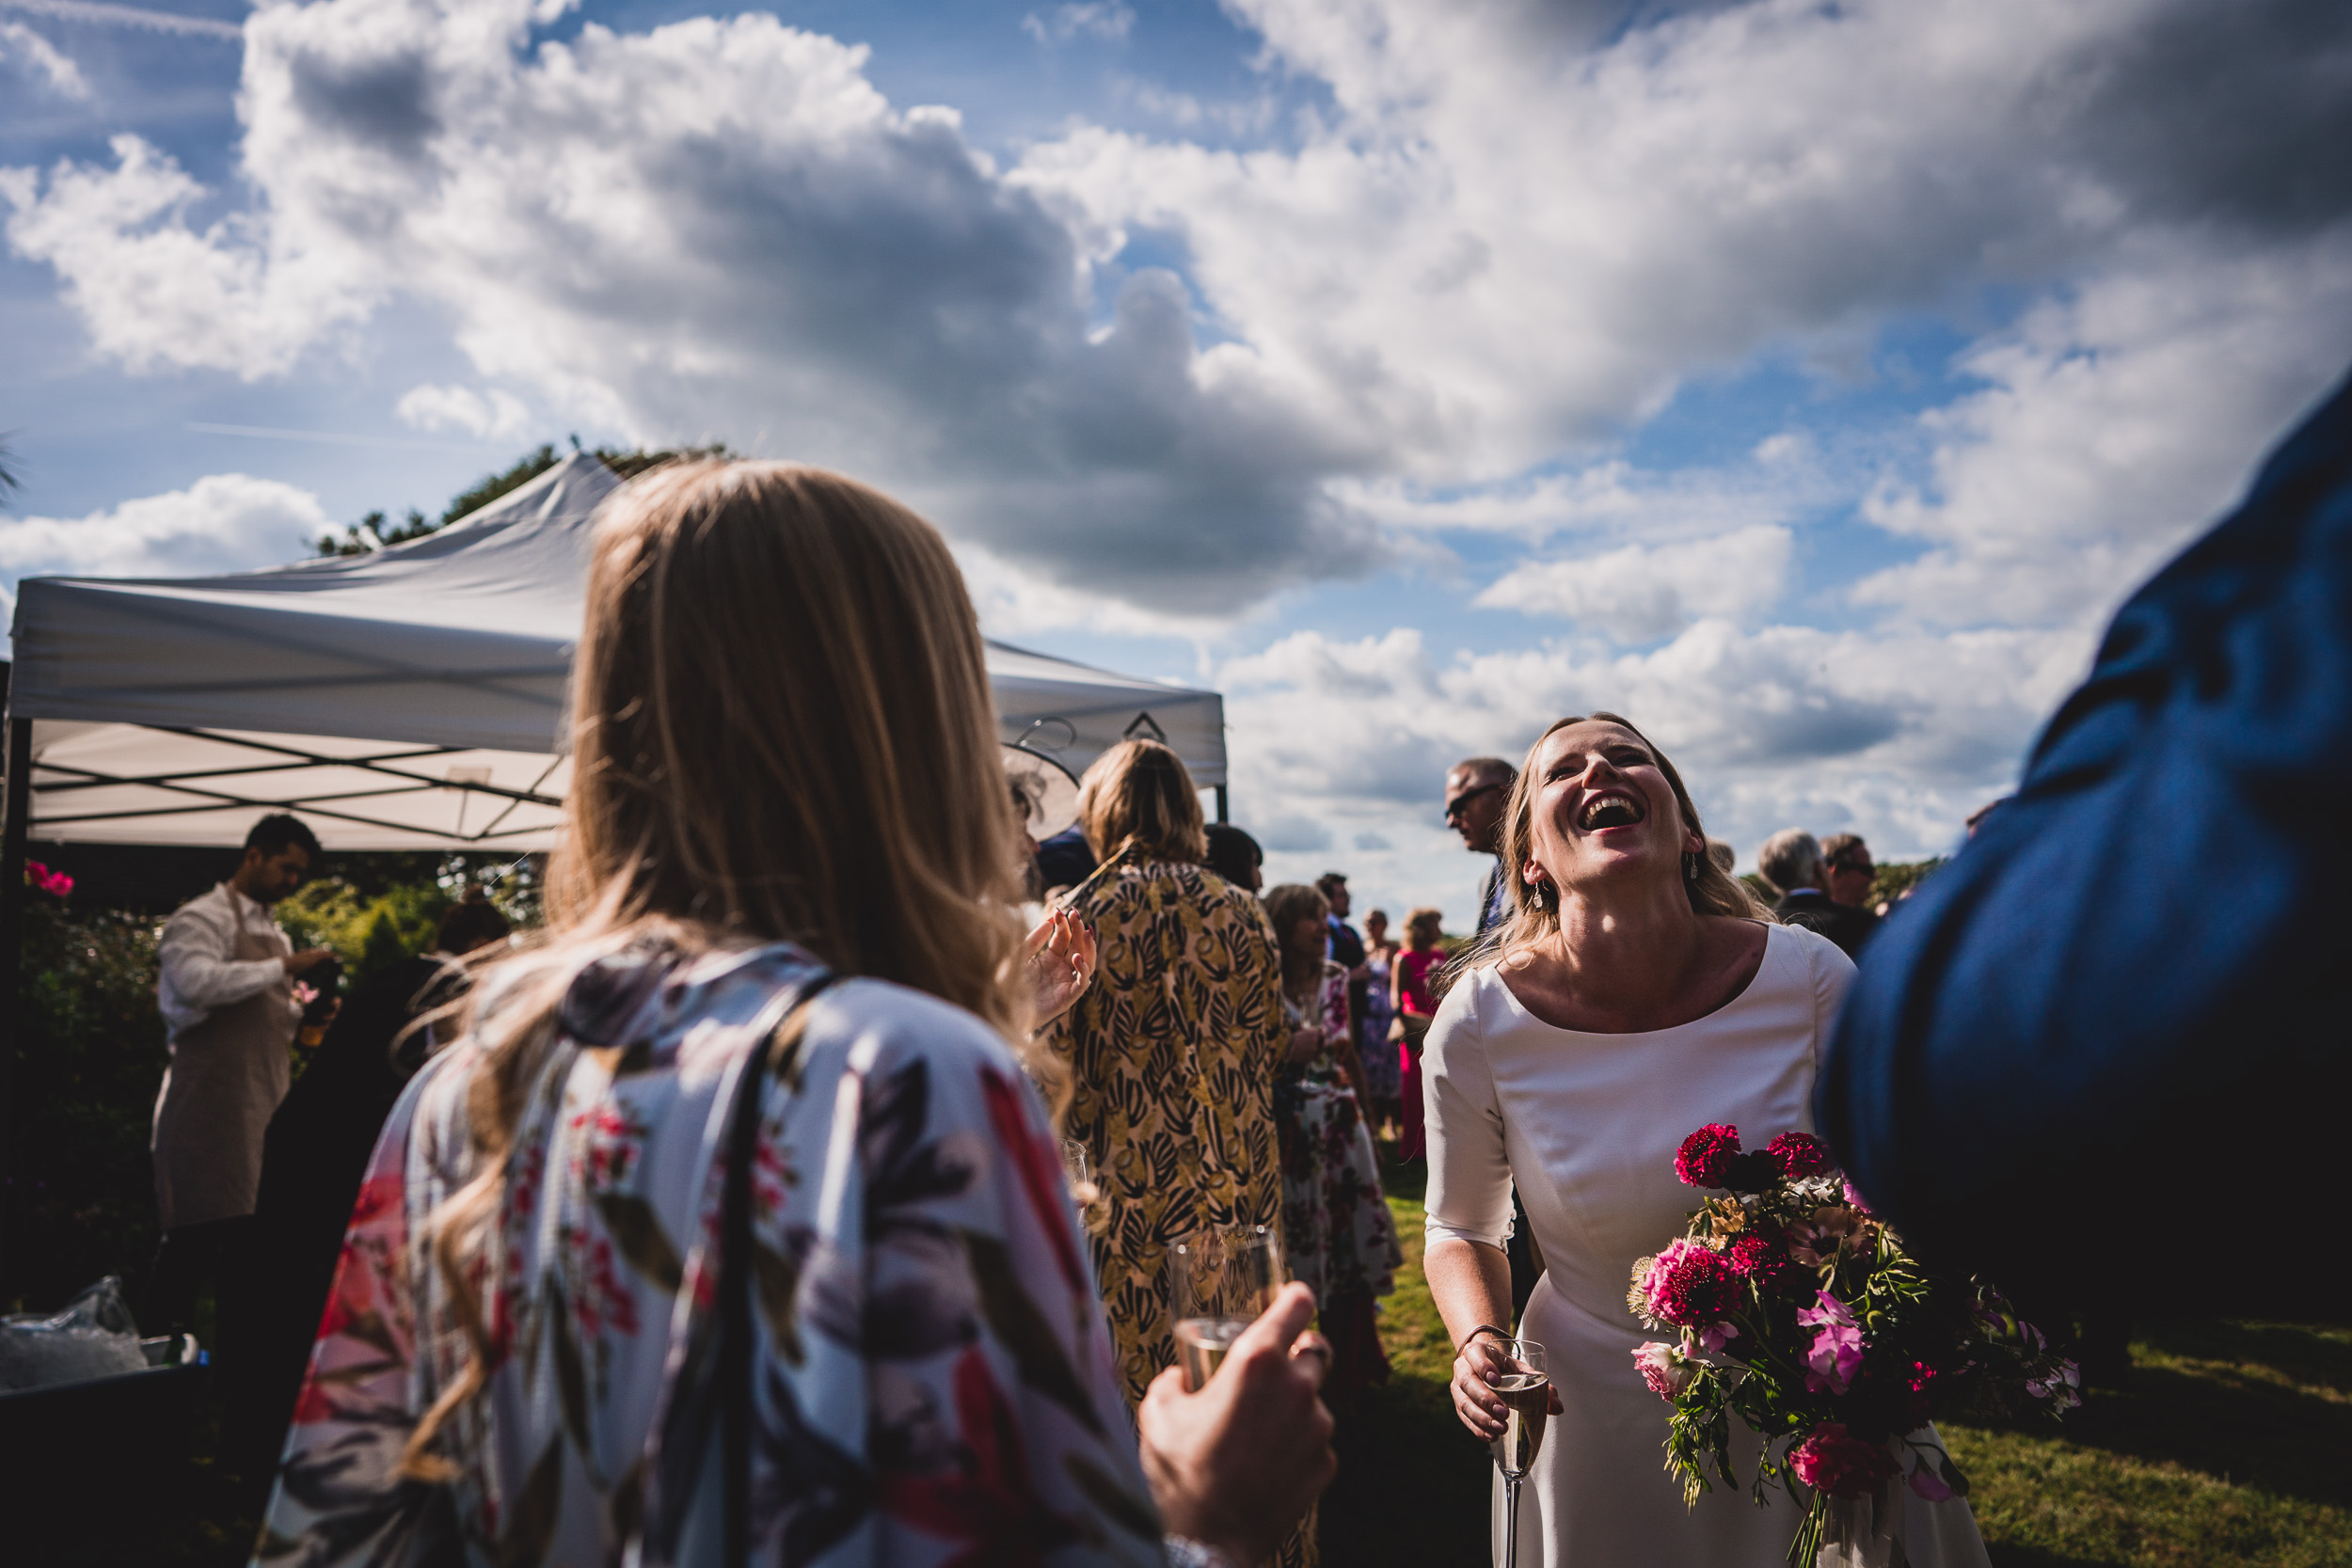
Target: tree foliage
{"type": "Point", "coordinates": [90, 1043]}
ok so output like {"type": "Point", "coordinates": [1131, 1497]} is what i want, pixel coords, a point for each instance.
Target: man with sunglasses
{"type": "Point", "coordinates": [1476, 790]}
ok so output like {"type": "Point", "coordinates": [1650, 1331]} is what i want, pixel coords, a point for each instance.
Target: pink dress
{"type": "Point", "coordinates": [1415, 969]}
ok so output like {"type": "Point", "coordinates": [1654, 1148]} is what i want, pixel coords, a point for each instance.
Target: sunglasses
{"type": "Point", "coordinates": [1461, 803]}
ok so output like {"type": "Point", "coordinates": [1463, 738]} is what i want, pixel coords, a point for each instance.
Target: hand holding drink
{"type": "Point", "coordinates": [1219, 1282]}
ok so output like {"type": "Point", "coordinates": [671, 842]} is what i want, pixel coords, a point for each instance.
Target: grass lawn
{"type": "Point", "coordinates": [2232, 1444]}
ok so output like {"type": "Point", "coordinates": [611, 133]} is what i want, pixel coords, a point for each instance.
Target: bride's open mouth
{"type": "Point", "coordinates": [1610, 808]}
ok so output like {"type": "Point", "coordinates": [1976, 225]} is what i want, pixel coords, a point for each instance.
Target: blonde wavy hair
{"type": "Point", "coordinates": [782, 730]}
{"type": "Point", "coordinates": [1140, 793]}
{"type": "Point", "coordinates": [1710, 889]}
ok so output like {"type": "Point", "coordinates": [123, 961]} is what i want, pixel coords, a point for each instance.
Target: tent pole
{"type": "Point", "coordinates": [1220, 804]}
{"type": "Point", "coordinates": [20, 810]}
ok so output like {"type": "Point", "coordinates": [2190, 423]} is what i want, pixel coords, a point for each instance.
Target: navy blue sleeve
{"type": "Point", "coordinates": [2119, 1018]}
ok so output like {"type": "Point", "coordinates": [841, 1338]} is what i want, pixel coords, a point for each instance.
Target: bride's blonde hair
{"type": "Point", "coordinates": [782, 729]}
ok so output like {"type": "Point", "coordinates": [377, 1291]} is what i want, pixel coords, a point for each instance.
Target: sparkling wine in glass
{"type": "Point", "coordinates": [1219, 1282]}
{"type": "Point", "coordinates": [1524, 1387]}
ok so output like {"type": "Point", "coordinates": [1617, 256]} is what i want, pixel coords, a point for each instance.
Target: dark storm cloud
{"type": "Point", "coordinates": [2240, 110]}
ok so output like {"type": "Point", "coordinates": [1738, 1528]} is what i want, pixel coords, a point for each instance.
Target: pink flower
{"type": "Point", "coordinates": [305, 993]}
{"type": "Point", "coordinates": [2058, 1387]}
{"type": "Point", "coordinates": [1836, 1352]}
{"type": "Point", "coordinates": [1925, 1481]}
{"type": "Point", "coordinates": [1665, 1369]}
{"type": "Point", "coordinates": [55, 883]}
{"type": "Point", "coordinates": [1855, 1201]}
{"type": "Point", "coordinates": [1704, 1158]}
{"type": "Point", "coordinates": [1832, 1460]}
{"type": "Point", "coordinates": [1691, 1287]}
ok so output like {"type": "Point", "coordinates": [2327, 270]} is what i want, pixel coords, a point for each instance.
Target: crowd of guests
{"type": "Point", "coordinates": [734, 1215]}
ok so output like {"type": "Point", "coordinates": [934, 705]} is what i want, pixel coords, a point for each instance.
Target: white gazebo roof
{"type": "Point", "coordinates": [408, 699]}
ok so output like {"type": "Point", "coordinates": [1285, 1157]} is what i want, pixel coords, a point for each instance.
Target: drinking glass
{"type": "Point", "coordinates": [1083, 1194]}
{"type": "Point", "coordinates": [1219, 1282]}
{"type": "Point", "coordinates": [1525, 1387]}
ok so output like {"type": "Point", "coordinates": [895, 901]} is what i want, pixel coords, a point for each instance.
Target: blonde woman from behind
{"type": "Point", "coordinates": [732, 1230]}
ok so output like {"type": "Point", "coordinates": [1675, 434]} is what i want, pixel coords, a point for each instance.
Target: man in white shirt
{"type": "Point", "coordinates": [226, 993]}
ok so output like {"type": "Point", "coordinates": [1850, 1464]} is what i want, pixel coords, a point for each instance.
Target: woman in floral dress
{"type": "Point", "coordinates": [731, 1228]}
{"type": "Point", "coordinates": [1337, 1233]}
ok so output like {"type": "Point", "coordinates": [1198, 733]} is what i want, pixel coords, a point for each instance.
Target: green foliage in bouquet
{"type": "Point", "coordinates": [1798, 1310]}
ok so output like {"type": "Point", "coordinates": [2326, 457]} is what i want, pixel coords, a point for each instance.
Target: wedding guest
{"type": "Point", "coordinates": [1236, 856]}
{"type": "Point", "coordinates": [226, 988]}
{"type": "Point", "coordinates": [1346, 947]}
{"type": "Point", "coordinates": [315, 1153]}
{"type": "Point", "coordinates": [1850, 870]}
{"type": "Point", "coordinates": [1415, 998]}
{"type": "Point", "coordinates": [1475, 792]}
{"type": "Point", "coordinates": [2135, 963]}
{"type": "Point", "coordinates": [1636, 993]}
{"type": "Point", "coordinates": [1064, 860]}
{"type": "Point", "coordinates": [1338, 1236]}
{"type": "Point", "coordinates": [1475, 789]}
{"type": "Point", "coordinates": [1722, 853]}
{"type": "Point", "coordinates": [1792, 862]}
{"type": "Point", "coordinates": [733, 1228]}
{"type": "Point", "coordinates": [1375, 1051]}
{"type": "Point", "coordinates": [1171, 1055]}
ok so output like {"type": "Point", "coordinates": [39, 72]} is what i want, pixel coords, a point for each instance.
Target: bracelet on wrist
{"type": "Point", "coordinates": [1481, 1328]}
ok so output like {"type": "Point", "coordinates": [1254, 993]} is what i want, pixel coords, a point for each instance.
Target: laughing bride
{"type": "Point", "coordinates": [1637, 991]}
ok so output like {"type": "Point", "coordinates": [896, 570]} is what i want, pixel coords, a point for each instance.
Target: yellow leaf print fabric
{"type": "Point", "coordinates": [1172, 1055]}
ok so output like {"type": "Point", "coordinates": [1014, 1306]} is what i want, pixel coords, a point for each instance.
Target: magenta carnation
{"type": "Point", "coordinates": [1799, 1154]}
{"type": "Point", "coordinates": [1691, 1287]}
{"type": "Point", "coordinates": [1704, 1158]}
{"type": "Point", "coordinates": [1832, 1460]}
{"type": "Point", "coordinates": [1759, 1258]}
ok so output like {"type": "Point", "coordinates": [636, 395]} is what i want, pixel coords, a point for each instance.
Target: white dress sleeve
{"type": "Point", "coordinates": [1469, 1166]}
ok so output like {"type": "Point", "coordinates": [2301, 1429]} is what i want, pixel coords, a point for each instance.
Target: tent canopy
{"type": "Point", "coordinates": [408, 699]}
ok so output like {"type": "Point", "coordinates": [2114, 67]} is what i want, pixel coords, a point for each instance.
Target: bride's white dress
{"type": "Point", "coordinates": [1589, 1124]}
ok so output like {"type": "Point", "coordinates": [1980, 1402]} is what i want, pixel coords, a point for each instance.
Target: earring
{"type": "Point", "coordinates": [1689, 867]}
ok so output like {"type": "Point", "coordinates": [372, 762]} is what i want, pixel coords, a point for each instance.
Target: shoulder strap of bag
{"type": "Point", "coordinates": [736, 1273]}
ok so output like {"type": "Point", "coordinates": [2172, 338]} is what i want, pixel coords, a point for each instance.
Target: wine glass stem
{"type": "Point", "coordinates": [1509, 1522]}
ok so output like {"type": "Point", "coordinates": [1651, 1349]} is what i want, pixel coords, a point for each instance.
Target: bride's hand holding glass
{"type": "Point", "coordinates": [1484, 1361]}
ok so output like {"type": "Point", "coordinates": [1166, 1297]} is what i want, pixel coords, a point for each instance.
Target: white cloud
{"type": "Point", "coordinates": [500, 413]}
{"type": "Point", "coordinates": [155, 290]}
{"type": "Point", "coordinates": [221, 523]}
{"type": "Point", "coordinates": [714, 228]}
{"type": "Point", "coordinates": [1896, 735]}
{"type": "Point", "coordinates": [1639, 593]}
{"type": "Point", "coordinates": [56, 67]}
{"type": "Point", "coordinates": [2116, 425]}
{"type": "Point", "coordinates": [1100, 19]}
{"type": "Point", "coordinates": [104, 13]}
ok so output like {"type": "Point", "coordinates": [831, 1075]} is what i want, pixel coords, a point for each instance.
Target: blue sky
{"type": "Point", "coordinates": [1808, 383]}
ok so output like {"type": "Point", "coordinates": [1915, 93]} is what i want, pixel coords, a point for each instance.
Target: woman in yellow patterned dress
{"type": "Point", "coordinates": [1173, 1054]}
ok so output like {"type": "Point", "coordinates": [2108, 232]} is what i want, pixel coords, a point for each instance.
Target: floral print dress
{"type": "Point", "coordinates": [1338, 1235]}
{"type": "Point", "coordinates": [933, 1381]}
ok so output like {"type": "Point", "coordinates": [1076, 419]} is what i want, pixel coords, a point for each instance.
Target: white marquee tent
{"type": "Point", "coordinates": [408, 699]}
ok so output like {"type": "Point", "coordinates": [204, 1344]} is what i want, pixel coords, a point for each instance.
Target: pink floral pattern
{"type": "Point", "coordinates": [933, 1380]}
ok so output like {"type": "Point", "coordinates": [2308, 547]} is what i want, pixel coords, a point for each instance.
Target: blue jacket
{"type": "Point", "coordinates": [2120, 1018]}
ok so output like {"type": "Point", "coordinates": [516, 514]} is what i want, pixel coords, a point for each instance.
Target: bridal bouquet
{"type": "Point", "coordinates": [1796, 1307]}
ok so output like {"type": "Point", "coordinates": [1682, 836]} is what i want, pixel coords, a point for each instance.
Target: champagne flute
{"type": "Point", "coordinates": [1219, 1282]}
{"type": "Point", "coordinates": [1525, 1388]}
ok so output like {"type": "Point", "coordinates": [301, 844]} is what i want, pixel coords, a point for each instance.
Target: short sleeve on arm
{"type": "Point", "coordinates": [1469, 1166]}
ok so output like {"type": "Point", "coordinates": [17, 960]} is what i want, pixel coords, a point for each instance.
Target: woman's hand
{"type": "Point", "coordinates": [1474, 1399]}
{"type": "Point", "coordinates": [1060, 955]}
{"type": "Point", "coordinates": [1235, 1465]}
{"type": "Point", "coordinates": [1306, 1044]}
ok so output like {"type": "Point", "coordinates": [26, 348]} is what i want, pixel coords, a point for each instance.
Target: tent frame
{"type": "Point", "coordinates": [213, 799]}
